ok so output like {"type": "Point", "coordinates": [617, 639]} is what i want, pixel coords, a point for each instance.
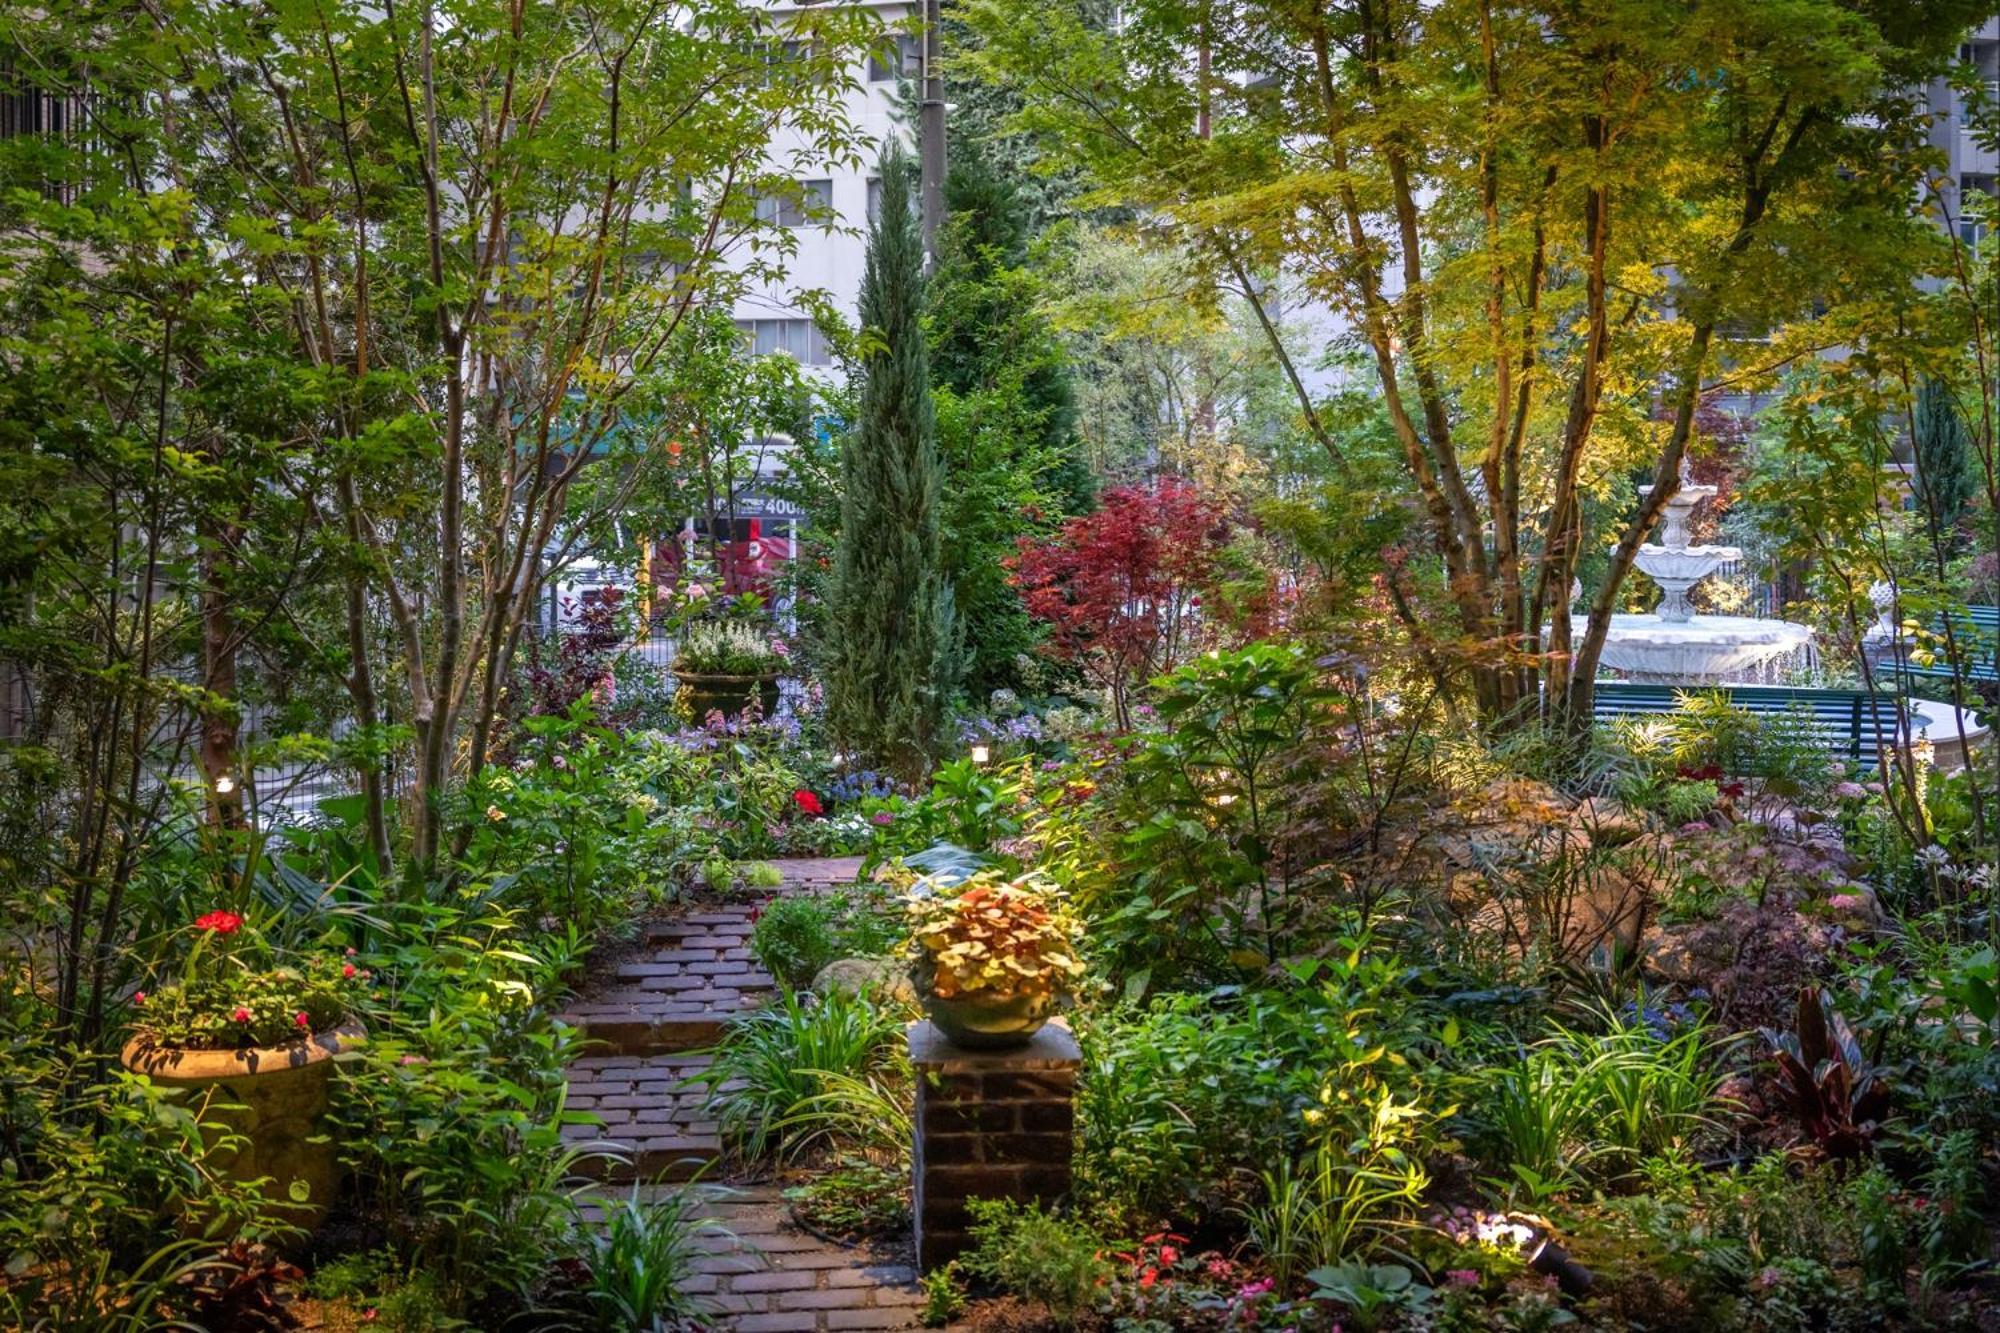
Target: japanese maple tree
{"type": "Point", "coordinates": [1121, 589]}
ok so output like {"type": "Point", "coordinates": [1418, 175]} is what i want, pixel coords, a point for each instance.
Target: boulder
{"type": "Point", "coordinates": [1686, 955]}
{"type": "Point", "coordinates": [1607, 823]}
{"type": "Point", "coordinates": [883, 978]}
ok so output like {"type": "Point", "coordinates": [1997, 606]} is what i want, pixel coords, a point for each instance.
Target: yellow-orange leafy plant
{"type": "Point", "coordinates": [994, 938]}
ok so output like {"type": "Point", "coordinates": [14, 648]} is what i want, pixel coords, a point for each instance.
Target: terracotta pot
{"type": "Point", "coordinates": [275, 1098]}
{"type": "Point", "coordinates": [727, 695]}
{"type": "Point", "coordinates": [982, 1023]}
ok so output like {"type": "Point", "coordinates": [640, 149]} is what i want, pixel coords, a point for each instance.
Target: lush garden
{"type": "Point", "coordinates": [1210, 552]}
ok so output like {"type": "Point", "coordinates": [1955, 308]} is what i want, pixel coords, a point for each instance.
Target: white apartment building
{"type": "Point", "coordinates": [828, 220]}
{"type": "Point", "coordinates": [1970, 169]}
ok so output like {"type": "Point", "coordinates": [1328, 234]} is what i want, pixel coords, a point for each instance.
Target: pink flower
{"type": "Point", "coordinates": [1850, 791]}
{"type": "Point", "coordinates": [1845, 902]}
{"type": "Point", "coordinates": [1694, 826]}
{"type": "Point", "coordinates": [1462, 1277]}
{"type": "Point", "coordinates": [241, 1015]}
{"type": "Point", "coordinates": [413, 1060]}
{"type": "Point", "coordinates": [881, 819]}
{"type": "Point", "coordinates": [301, 1019]}
{"type": "Point", "coordinates": [781, 648]}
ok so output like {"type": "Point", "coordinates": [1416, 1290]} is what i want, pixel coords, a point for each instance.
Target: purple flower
{"type": "Point", "coordinates": [881, 819]}
{"type": "Point", "coordinates": [1462, 1277]}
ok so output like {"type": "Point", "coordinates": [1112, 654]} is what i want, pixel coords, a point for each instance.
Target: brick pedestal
{"type": "Point", "coordinates": [989, 1125]}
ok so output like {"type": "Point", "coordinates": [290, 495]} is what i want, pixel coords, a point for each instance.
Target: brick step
{"type": "Point", "coordinates": [691, 975]}
{"type": "Point", "coordinates": [761, 1274]}
{"type": "Point", "coordinates": [652, 1119]}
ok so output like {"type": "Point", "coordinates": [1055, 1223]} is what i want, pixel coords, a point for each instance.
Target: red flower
{"type": "Point", "coordinates": [241, 1015]}
{"type": "Point", "coordinates": [301, 1019]}
{"type": "Point", "coordinates": [222, 923]}
{"type": "Point", "coordinates": [807, 802]}
{"type": "Point", "coordinates": [138, 997]}
{"type": "Point", "coordinates": [347, 970]}
{"type": "Point", "coordinates": [1149, 1277]}
{"type": "Point", "coordinates": [1168, 1254]}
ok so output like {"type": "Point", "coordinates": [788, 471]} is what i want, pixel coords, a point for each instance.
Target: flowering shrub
{"type": "Point", "coordinates": [731, 648]}
{"type": "Point", "coordinates": [221, 1003]}
{"type": "Point", "coordinates": [994, 939]}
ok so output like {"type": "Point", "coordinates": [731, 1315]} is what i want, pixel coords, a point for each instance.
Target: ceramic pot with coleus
{"type": "Point", "coordinates": [723, 666]}
{"type": "Point", "coordinates": [992, 957]}
{"type": "Point", "coordinates": [252, 1043]}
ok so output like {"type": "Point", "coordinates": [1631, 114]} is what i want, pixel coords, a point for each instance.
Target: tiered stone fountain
{"type": "Point", "coordinates": [1675, 646]}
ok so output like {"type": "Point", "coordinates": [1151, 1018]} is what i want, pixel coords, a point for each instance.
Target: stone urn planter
{"type": "Point", "coordinates": [728, 695]}
{"type": "Point", "coordinates": [275, 1099]}
{"type": "Point", "coordinates": [982, 1023]}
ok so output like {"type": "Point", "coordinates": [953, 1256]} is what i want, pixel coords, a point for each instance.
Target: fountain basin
{"type": "Point", "coordinates": [1688, 562]}
{"type": "Point", "coordinates": [1956, 733]}
{"type": "Point", "coordinates": [1707, 650]}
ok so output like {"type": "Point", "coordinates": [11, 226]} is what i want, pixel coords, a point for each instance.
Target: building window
{"type": "Point", "coordinates": [874, 200]}
{"type": "Point", "coordinates": [905, 60]}
{"type": "Point", "coordinates": [799, 339]}
{"type": "Point", "coordinates": [803, 203]}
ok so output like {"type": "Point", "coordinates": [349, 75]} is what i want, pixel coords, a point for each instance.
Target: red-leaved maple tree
{"type": "Point", "coordinates": [1121, 589]}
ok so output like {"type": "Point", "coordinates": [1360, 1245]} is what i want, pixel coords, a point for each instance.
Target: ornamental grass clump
{"type": "Point", "coordinates": [230, 995]}
{"type": "Point", "coordinates": [994, 940]}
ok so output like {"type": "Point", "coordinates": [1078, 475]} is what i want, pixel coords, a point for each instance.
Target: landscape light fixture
{"type": "Point", "coordinates": [980, 754]}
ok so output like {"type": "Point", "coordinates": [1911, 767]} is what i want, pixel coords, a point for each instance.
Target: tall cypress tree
{"type": "Point", "coordinates": [891, 650]}
{"type": "Point", "coordinates": [1944, 458]}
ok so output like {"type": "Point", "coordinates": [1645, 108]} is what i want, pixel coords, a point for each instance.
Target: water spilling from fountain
{"type": "Point", "coordinates": [1675, 645]}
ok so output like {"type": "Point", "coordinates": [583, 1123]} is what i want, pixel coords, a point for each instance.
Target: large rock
{"type": "Point", "coordinates": [881, 978]}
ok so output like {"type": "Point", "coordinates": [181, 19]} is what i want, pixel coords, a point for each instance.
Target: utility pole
{"type": "Point", "coordinates": [931, 124]}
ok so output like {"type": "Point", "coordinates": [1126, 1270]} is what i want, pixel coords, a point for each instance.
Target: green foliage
{"type": "Point", "coordinates": [250, 1008]}
{"type": "Point", "coordinates": [1005, 411]}
{"type": "Point", "coordinates": [1358, 1183]}
{"type": "Point", "coordinates": [783, 1057]}
{"type": "Point", "coordinates": [1187, 1101]}
{"type": "Point", "coordinates": [1040, 1256]}
{"type": "Point", "coordinates": [644, 1258]}
{"type": "Point", "coordinates": [566, 833]}
{"type": "Point", "coordinates": [403, 1298]}
{"type": "Point", "coordinates": [891, 640]}
{"type": "Point", "coordinates": [1372, 1294]}
{"type": "Point", "coordinates": [1598, 1103]}
{"type": "Point", "coordinates": [797, 936]}
{"type": "Point", "coordinates": [1944, 482]}
{"type": "Point", "coordinates": [794, 938]}
{"type": "Point", "coordinates": [855, 1198]}
{"type": "Point", "coordinates": [944, 1296]}
{"type": "Point", "coordinates": [452, 1115]}
{"type": "Point", "coordinates": [1207, 863]}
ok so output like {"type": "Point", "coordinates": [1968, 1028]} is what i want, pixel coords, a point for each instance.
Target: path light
{"type": "Point", "coordinates": [980, 754]}
{"type": "Point", "coordinates": [1225, 798]}
{"type": "Point", "coordinates": [224, 785]}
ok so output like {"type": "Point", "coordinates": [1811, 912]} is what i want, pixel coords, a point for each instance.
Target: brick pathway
{"type": "Point", "coordinates": [765, 1274]}
{"type": "Point", "coordinates": [646, 1020]}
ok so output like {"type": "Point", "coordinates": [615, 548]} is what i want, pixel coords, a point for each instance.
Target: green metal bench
{"type": "Point", "coordinates": [1854, 724]}
{"type": "Point", "coordinates": [1975, 631]}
